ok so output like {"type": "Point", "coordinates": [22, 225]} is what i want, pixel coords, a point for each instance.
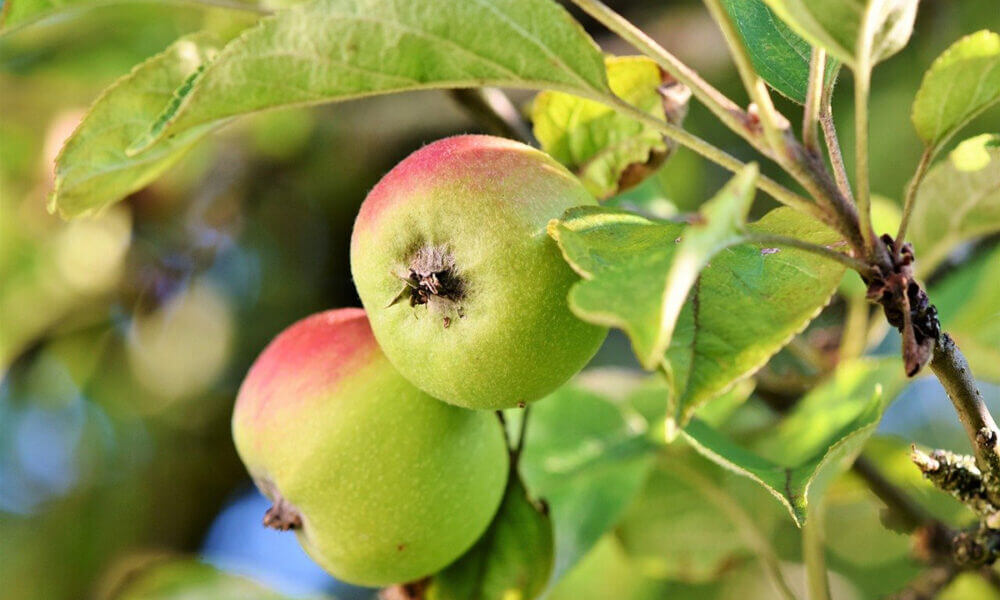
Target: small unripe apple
{"type": "Point", "coordinates": [465, 290]}
{"type": "Point", "coordinates": [382, 483]}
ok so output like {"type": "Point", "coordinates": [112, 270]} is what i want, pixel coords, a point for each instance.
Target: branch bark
{"type": "Point", "coordinates": [952, 370]}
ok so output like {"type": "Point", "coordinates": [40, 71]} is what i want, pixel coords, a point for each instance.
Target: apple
{"type": "Point", "coordinates": [382, 483]}
{"type": "Point", "coordinates": [465, 291]}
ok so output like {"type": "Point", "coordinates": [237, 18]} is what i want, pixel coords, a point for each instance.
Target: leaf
{"type": "Point", "coordinates": [968, 303]}
{"type": "Point", "coordinates": [329, 50]}
{"type": "Point", "coordinates": [855, 32]}
{"type": "Point", "coordinates": [92, 170]}
{"type": "Point", "coordinates": [606, 572]}
{"type": "Point", "coordinates": [674, 530]}
{"type": "Point", "coordinates": [186, 579]}
{"type": "Point", "coordinates": [608, 151]}
{"type": "Point", "coordinates": [586, 460]}
{"type": "Point", "coordinates": [958, 201]}
{"type": "Point", "coordinates": [817, 441]}
{"type": "Point", "coordinates": [747, 304]}
{"type": "Point", "coordinates": [779, 55]}
{"type": "Point", "coordinates": [513, 559]}
{"type": "Point", "coordinates": [963, 82]}
{"type": "Point", "coordinates": [19, 13]}
{"type": "Point", "coordinates": [625, 256]}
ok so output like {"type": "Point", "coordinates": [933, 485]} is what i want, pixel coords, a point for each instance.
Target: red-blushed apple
{"type": "Point", "coordinates": [382, 483]}
{"type": "Point", "coordinates": [465, 290]}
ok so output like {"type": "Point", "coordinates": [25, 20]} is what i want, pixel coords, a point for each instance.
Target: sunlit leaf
{"type": "Point", "coordinates": [816, 442]}
{"type": "Point", "coordinates": [746, 305]}
{"type": "Point", "coordinates": [329, 50]}
{"type": "Point", "coordinates": [855, 32]}
{"type": "Point", "coordinates": [586, 460]}
{"type": "Point", "coordinates": [654, 265]}
{"type": "Point", "coordinates": [92, 170]}
{"type": "Point", "coordinates": [958, 201]}
{"type": "Point", "coordinates": [963, 82]}
{"type": "Point", "coordinates": [611, 152]}
{"type": "Point", "coordinates": [513, 559]}
{"type": "Point", "coordinates": [779, 55]}
{"type": "Point", "coordinates": [968, 303]}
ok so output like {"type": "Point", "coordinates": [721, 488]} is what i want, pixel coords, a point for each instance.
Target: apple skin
{"type": "Point", "coordinates": [382, 483]}
{"type": "Point", "coordinates": [485, 201]}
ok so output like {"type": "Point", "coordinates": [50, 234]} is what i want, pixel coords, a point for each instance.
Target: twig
{"type": "Point", "coordinates": [862, 83]}
{"type": "Point", "coordinates": [494, 111]}
{"type": "Point", "coordinates": [814, 97]}
{"type": "Point", "coordinates": [906, 513]}
{"type": "Point", "coordinates": [833, 147]}
{"type": "Point", "coordinates": [773, 123]}
{"type": "Point", "coordinates": [814, 555]}
{"type": "Point", "coordinates": [782, 240]}
{"type": "Point", "coordinates": [951, 368]}
{"type": "Point", "coordinates": [727, 111]}
{"type": "Point", "coordinates": [911, 194]}
{"type": "Point", "coordinates": [928, 584]}
{"type": "Point", "coordinates": [720, 157]}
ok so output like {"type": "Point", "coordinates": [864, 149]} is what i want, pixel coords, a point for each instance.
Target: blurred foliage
{"type": "Point", "coordinates": [123, 337]}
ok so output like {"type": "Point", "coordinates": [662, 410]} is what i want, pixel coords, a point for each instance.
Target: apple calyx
{"type": "Point", "coordinates": [432, 279]}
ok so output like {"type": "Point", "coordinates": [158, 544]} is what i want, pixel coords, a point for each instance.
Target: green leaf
{"type": "Point", "coordinates": [958, 201]}
{"type": "Point", "coordinates": [19, 13]}
{"type": "Point", "coordinates": [625, 256]}
{"type": "Point", "coordinates": [92, 170]}
{"type": "Point", "coordinates": [963, 82]}
{"type": "Point", "coordinates": [778, 55]}
{"type": "Point", "coordinates": [855, 32]}
{"type": "Point", "coordinates": [586, 460]}
{"type": "Point", "coordinates": [607, 572]}
{"type": "Point", "coordinates": [330, 50]}
{"type": "Point", "coordinates": [608, 151]}
{"type": "Point", "coordinates": [674, 529]}
{"type": "Point", "coordinates": [817, 441]}
{"type": "Point", "coordinates": [745, 306]}
{"type": "Point", "coordinates": [513, 559]}
{"type": "Point", "coordinates": [967, 301]}
{"type": "Point", "coordinates": [184, 579]}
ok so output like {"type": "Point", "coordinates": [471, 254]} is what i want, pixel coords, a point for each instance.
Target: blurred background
{"type": "Point", "coordinates": [123, 338]}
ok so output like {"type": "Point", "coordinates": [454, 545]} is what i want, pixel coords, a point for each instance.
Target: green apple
{"type": "Point", "coordinates": [382, 483]}
{"type": "Point", "coordinates": [465, 290]}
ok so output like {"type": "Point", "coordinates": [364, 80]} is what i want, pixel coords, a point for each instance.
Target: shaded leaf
{"type": "Point", "coordinates": [330, 50]}
{"type": "Point", "coordinates": [606, 572]}
{"type": "Point", "coordinates": [625, 256]}
{"type": "Point", "coordinates": [778, 55]}
{"type": "Point", "coordinates": [674, 530]}
{"type": "Point", "coordinates": [19, 13]}
{"type": "Point", "coordinates": [818, 440]}
{"type": "Point", "coordinates": [512, 559]}
{"type": "Point", "coordinates": [609, 151]}
{"type": "Point", "coordinates": [852, 31]}
{"type": "Point", "coordinates": [586, 460]}
{"type": "Point", "coordinates": [961, 83]}
{"type": "Point", "coordinates": [745, 306]}
{"type": "Point", "coordinates": [958, 201]}
{"type": "Point", "coordinates": [968, 303]}
{"type": "Point", "coordinates": [92, 170]}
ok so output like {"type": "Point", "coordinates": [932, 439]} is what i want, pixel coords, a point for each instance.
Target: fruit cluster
{"type": "Point", "coordinates": [372, 431]}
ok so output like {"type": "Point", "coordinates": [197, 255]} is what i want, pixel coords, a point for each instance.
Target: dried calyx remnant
{"type": "Point", "coordinates": [431, 278]}
{"type": "Point", "coordinates": [906, 307]}
{"type": "Point", "coordinates": [958, 475]}
{"type": "Point", "coordinates": [282, 515]}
